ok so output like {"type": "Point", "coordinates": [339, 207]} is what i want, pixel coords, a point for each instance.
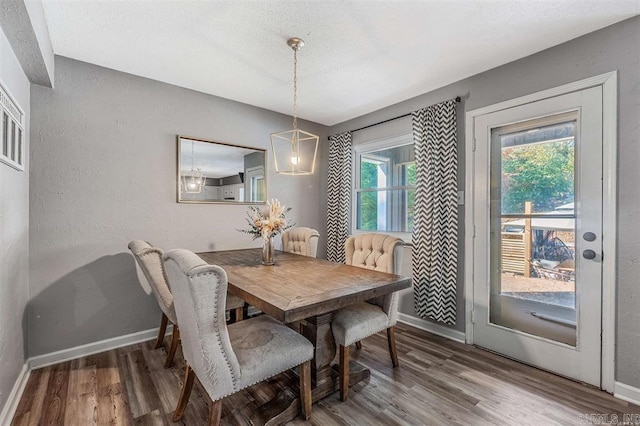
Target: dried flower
{"type": "Point", "coordinates": [267, 222]}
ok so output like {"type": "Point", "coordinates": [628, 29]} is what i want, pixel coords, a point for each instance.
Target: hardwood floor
{"type": "Point", "coordinates": [438, 382]}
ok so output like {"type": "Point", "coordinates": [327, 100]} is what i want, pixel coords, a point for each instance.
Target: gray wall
{"type": "Point", "coordinates": [104, 173]}
{"type": "Point", "coordinates": [613, 48]}
{"type": "Point", "coordinates": [14, 236]}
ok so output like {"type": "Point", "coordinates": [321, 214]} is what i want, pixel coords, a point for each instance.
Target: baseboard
{"type": "Point", "coordinates": [627, 393]}
{"type": "Point", "coordinates": [46, 360]}
{"type": "Point", "coordinates": [11, 405]}
{"type": "Point", "coordinates": [432, 327]}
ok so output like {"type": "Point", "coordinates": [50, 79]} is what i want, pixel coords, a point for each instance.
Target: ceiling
{"type": "Point", "coordinates": [359, 56]}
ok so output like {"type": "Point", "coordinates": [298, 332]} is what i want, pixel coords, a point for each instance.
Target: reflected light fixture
{"type": "Point", "coordinates": [193, 181]}
{"type": "Point", "coordinates": [294, 151]}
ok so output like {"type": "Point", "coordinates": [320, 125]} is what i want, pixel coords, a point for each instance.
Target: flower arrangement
{"type": "Point", "coordinates": [268, 222]}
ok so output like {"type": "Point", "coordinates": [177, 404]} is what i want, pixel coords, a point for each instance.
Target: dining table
{"type": "Point", "coordinates": [303, 292]}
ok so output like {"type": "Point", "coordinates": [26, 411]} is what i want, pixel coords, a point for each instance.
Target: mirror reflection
{"type": "Point", "coordinates": [215, 172]}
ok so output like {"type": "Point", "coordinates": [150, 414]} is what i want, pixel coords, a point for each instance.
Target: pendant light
{"type": "Point", "coordinates": [294, 151]}
{"type": "Point", "coordinates": [192, 182]}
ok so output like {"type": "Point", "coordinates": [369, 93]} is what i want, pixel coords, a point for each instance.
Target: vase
{"type": "Point", "coordinates": [268, 253]}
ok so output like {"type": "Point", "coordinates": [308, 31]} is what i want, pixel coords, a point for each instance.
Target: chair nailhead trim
{"type": "Point", "coordinates": [234, 379]}
{"type": "Point", "coordinates": [262, 380]}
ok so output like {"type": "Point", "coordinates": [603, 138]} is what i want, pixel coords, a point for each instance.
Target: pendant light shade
{"type": "Point", "coordinates": [192, 181]}
{"type": "Point", "coordinates": [294, 151]}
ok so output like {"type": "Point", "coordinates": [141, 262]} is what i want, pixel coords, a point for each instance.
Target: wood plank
{"type": "Point", "coordinates": [55, 400]}
{"type": "Point", "coordinates": [74, 409]}
{"type": "Point", "coordinates": [142, 393]}
{"type": "Point", "coordinates": [30, 405]}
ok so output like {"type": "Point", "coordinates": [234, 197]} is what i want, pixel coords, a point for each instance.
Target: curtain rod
{"type": "Point", "coordinates": [457, 99]}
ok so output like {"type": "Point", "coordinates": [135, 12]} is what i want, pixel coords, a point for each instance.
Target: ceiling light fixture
{"type": "Point", "coordinates": [294, 151]}
{"type": "Point", "coordinates": [192, 182]}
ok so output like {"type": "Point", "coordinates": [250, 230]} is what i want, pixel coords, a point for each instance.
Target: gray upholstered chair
{"type": "Point", "coordinates": [149, 261]}
{"type": "Point", "coordinates": [227, 359]}
{"type": "Point", "coordinates": [301, 240]}
{"type": "Point", "coordinates": [353, 323]}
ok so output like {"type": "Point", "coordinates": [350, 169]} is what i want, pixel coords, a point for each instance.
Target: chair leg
{"type": "Point", "coordinates": [239, 314]}
{"type": "Point", "coordinates": [175, 339]}
{"type": "Point", "coordinates": [305, 390]}
{"type": "Point", "coordinates": [358, 345]}
{"type": "Point", "coordinates": [185, 393]}
{"type": "Point", "coordinates": [163, 330]}
{"type": "Point", "coordinates": [344, 372]}
{"type": "Point", "coordinates": [215, 413]}
{"type": "Point", "coordinates": [391, 338]}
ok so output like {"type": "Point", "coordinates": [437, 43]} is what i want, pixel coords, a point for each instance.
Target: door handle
{"type": "Point", "coordinates": [589, 254]}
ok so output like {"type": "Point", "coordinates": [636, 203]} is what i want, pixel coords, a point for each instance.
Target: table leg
{"type": "Point", "coordinates": [318, 330]}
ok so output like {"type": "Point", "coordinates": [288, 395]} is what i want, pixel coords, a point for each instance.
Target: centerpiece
{"type": "Point", "coordinates": [267, 223]}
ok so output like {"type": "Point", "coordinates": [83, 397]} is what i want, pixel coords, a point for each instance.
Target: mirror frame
{"type": "Point", "coordinates": [179, 160]}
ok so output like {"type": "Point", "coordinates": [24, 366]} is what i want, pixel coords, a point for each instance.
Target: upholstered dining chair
{"type": "Point", "coordinates": [149, 261]}
{"type": "Point", "coordinates": [355, 322]}
{"type": "Point", "coordinates": [301, 240]}
{"type": "Point", "coordinates": [227, 359]}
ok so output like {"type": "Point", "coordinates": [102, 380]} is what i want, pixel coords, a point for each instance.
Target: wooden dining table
{"type": "Point", "coordinates": [306, 291]}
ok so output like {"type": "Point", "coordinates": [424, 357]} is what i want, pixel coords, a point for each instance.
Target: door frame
{"type": "Point", "coordinates": [609, 83]}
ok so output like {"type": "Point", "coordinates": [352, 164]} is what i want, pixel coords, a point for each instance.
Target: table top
{"type": "Point", "coordinates": [299, 287]}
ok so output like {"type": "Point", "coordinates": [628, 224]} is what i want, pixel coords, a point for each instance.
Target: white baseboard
{"type": "Point", "coordinates": [627, 393]}
{"type": "Point", "coordinates": [432, 327]}
{"type": "Point", "coordinates": [11, 404]}
{"type": "Point", "coordinates": [46, 360]}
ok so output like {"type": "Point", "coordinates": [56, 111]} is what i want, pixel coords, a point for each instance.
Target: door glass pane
{"type": "Point", "coordinates": [533, 285]}
{"type": "Point", "coordinates": [537, 167]}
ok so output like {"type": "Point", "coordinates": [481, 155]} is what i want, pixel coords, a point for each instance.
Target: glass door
{"type": "Point", "coordinates": [537, 203]}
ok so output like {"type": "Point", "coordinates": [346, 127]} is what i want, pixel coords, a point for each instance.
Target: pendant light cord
{"type": "Point", "coordinates": [295, 88]}
{"type": "Point", "coordinates": [191, 156]}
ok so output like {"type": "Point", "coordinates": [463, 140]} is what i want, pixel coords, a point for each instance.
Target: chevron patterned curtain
{"type": "Point", "coordinates": [339, 195]}
{"type": "Point", "coordinates": [435, 233]}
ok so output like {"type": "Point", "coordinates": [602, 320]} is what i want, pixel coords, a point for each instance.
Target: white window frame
{"type": "Point", "coordinates": [367, 148]}
{"type": "Point", "coordinates": [15, 119]}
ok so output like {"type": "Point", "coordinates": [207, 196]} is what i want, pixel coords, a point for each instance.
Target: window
{"type": "Point", "coordinates": [385, 186]}
{"type": "Point", "coordinates": [11, 132]}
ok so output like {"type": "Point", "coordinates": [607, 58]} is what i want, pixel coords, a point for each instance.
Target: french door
{"type": "Point", "coordinates": [537, 200]}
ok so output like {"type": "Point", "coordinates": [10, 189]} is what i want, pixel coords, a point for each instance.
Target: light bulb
{"type": "Point", "coordinates": [295, 160]}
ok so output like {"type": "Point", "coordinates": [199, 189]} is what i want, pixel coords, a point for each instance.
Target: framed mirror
{"type": "Point", "coordinates": [216, 172]}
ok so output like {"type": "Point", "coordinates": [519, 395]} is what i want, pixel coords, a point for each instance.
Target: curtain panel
{"type": "Point", "coordinates": [435, 233]}
{"type": "Point", "coordinates": [339, 195]}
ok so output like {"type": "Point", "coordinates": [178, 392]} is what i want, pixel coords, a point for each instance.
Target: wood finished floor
{"type": "Point", "coordinates": [439, 382]}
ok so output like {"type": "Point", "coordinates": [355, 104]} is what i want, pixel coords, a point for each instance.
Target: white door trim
{"type": "Point", "coordinates": [609, 83]}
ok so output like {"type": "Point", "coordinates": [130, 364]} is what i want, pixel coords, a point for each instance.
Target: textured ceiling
{"type": "Point", "coordinates": [360, 56]}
